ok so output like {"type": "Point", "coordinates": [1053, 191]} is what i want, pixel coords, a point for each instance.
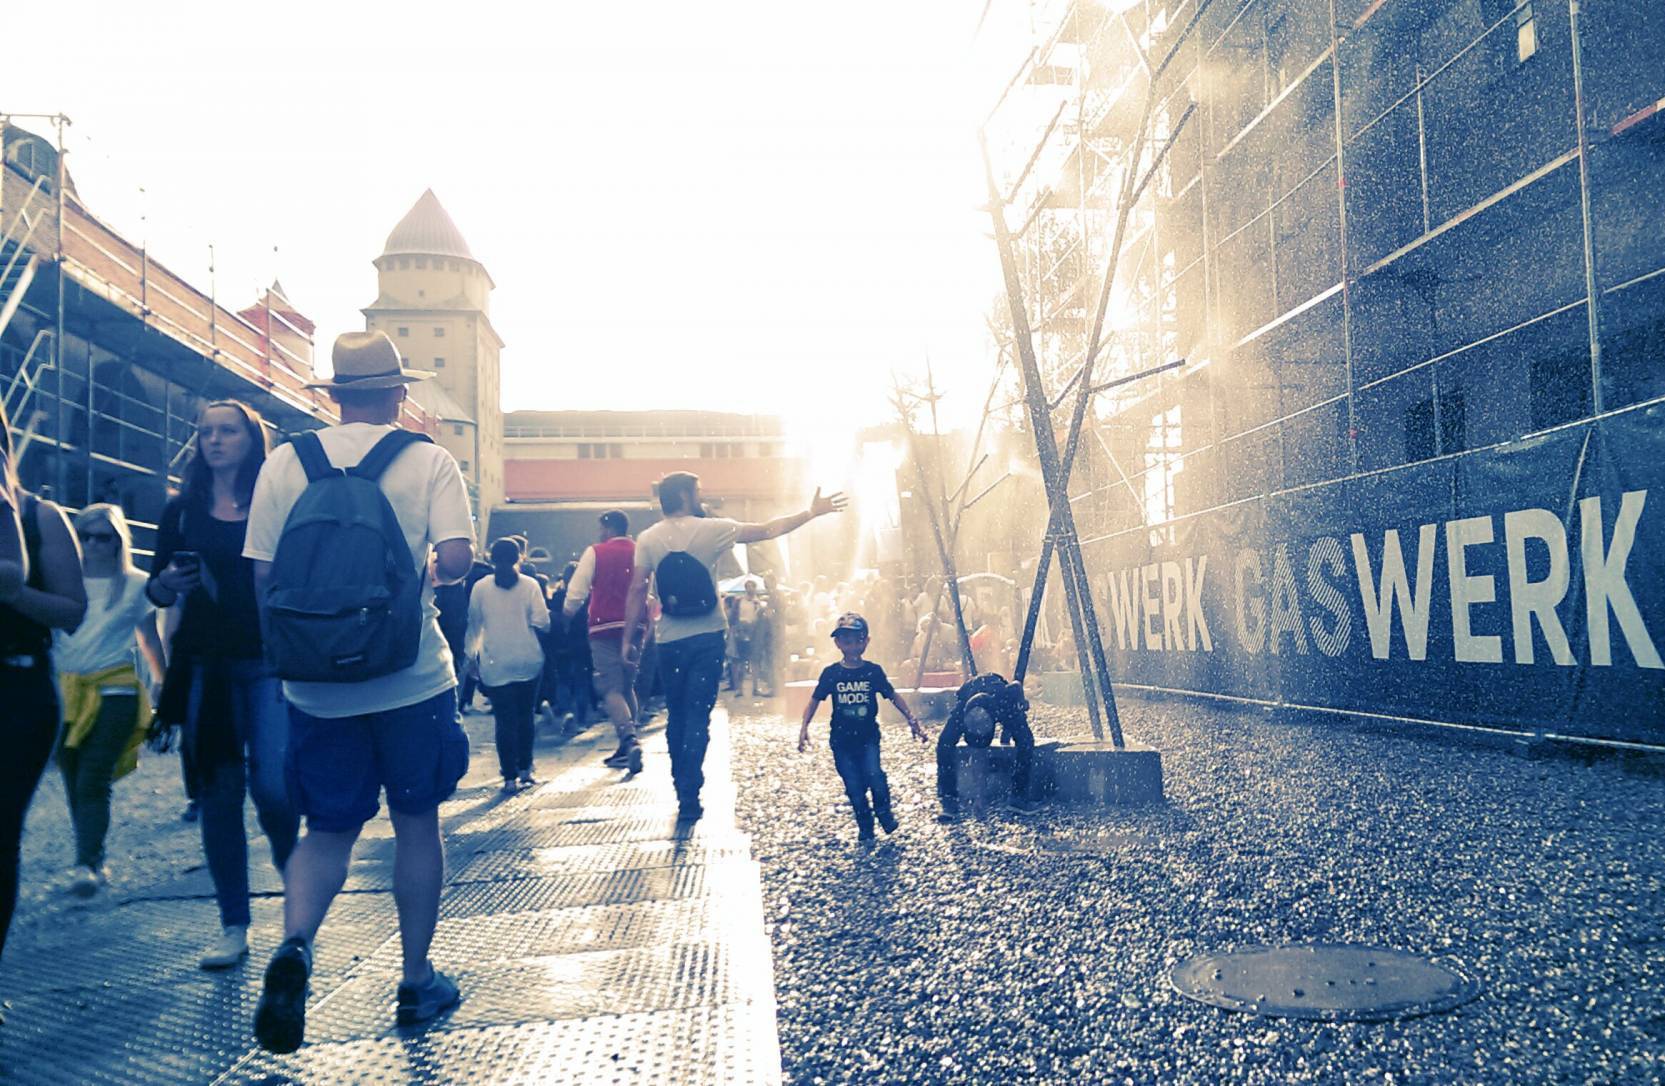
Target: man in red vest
{"type": "Point", "coordinates": [603, 579]}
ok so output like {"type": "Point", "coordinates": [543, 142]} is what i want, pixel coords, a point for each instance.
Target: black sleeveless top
{"type": "Point", "coordinates": [20, 635]}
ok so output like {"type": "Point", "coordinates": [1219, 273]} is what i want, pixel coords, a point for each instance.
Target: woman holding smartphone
{"type": "Point", "coordinates": [236, 724]}
{"type": "Point", "coordinates": [40, 591]}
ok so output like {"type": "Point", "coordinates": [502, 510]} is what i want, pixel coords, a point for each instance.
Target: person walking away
{"type": "Point", "coordinates": [106, 702]}
{"type": "Point", "coordinates": [679, 554]}
{"type": "Point", "coordinates": [855, 685]}
{"type": "Point", "coordinates": [468, 680]}
{"type": "Point", "coordinates": [218, 684]}
{"type": "Point", "coordinates": [40, 591]}
{"type": "Point", "coordinates": [748, 613]}
{"type": "Point", "coordinates": [600, 587]}
{"type": "Point", "coordinates": [506, 613]}
{"type": "Point", "coordinates": [394, 728]}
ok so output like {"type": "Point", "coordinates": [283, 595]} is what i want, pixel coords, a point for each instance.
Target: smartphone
{"type": "Point", "coordinates": [186, 559]}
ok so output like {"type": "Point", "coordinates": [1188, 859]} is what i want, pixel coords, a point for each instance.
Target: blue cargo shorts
{"type": "Point", "coordinates": [338, 766]}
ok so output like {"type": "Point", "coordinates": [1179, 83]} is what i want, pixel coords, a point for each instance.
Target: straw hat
{"type": "Point", "coordinates": [368, 360]}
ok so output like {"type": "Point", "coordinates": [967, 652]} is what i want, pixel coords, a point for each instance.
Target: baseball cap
{"type": "Point", "coordinates": [851, 622]}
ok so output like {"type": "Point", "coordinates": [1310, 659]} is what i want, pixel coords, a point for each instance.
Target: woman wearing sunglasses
{"type": "Point", "coordinates": [105, 703]}
{"type": "Point", "coordinates": [40, 591]}
{"type": "Point", "coordinates": [236, 724]}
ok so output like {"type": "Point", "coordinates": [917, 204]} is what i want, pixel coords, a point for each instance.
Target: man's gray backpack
{"type": "Point", "coordinates": [344, 602]}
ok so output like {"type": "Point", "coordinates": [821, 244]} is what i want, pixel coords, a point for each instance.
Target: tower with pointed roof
{"type": "Point", "coordinates": [434, 300]}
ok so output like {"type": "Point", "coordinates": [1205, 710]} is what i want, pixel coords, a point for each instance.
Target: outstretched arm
{"type": "Point", "coordinates": [774, 529]}
{"type": "Point", "coordinates": [907, 714]}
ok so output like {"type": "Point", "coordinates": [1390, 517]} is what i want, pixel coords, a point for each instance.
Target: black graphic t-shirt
{"type": "Point", "coordinates": [855, 701]}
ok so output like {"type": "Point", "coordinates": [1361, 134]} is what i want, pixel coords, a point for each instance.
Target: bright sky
{"type": "Point", "coordinates": [743, 206]}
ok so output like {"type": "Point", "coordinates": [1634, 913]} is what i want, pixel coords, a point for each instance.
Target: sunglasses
{"type": "Point", "coordinates": [97, 537]}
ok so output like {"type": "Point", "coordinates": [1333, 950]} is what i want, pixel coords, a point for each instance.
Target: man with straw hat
{"type": "Point", "coordinates": [396, 730]}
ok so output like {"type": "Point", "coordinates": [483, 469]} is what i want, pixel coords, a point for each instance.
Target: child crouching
{"type": "Point", "coordinates": [855, 685]}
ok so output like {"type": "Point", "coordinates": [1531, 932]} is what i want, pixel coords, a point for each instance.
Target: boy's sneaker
{"type": "Point", "coordinates": [689, 811]}
{"type": "Point", "coordinates": [527, 780]}
{"type": "Point", "coordinates": [230, 948]}
{"type": "Point", "coordinates": [280, 1019]}
{"type": "Point", "coordinates": [424, 1003]}
{"type": "Point", "coordinates": [85, 882]}
{"type": "Point", "coordinates": [866, 836]}
{"type": "Point", "coordinates": [888, 821]}
{"type": "Point", "coordinates": [633, 758]}
{"type": "Point", "coordinates": [619, 758]}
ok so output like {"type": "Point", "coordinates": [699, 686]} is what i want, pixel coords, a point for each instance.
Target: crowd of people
{"type": "Point", "coordinates": [315, 622]}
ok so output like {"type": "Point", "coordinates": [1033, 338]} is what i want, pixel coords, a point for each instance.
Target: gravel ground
{"type": "Point", "coordinates": [953, 954]}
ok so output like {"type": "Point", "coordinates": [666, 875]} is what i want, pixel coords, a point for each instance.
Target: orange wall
{"type": "Point", "coordinates": [603, 480]}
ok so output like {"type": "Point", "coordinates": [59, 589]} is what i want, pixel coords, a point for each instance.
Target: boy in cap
{"type": "Point", "coordinates": [855, 685]}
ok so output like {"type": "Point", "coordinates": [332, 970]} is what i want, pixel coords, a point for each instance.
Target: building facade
{"type": "Point", "coordinates": [1402, 248]}
{"type": "Point", "coordinates": [107, 356]}
{"type": "Point", "coordinates": [434, 299]}
{"type": "Point", "coordinates": [564, 468]}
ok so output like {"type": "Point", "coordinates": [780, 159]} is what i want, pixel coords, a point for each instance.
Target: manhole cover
{"type": "Point", "coordinates": [1325, 981]}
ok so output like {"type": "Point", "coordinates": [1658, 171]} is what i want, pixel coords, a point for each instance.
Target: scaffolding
{"type": "Point", "coordinates": [1392, 232]}
{"type": "Point", "coordinates": [106, 356]}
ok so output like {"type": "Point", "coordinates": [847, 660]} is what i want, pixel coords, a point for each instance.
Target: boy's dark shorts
{"type": "Point", "coordinates": [337, 766]}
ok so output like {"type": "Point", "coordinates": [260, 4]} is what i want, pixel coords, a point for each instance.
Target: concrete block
{"type": "Point", "coordinates": [1093, 773]}
{"type": "Point", "coordinates": [985, 773]}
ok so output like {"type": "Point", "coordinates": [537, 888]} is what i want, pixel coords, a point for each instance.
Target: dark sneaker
{"type": "Point", "coordinates": [527, 780]}
{"type": "Point", "coordinates": [950, 811]}
{"type": "Point", "coordinates": [619, 758]}
{"type": "Point", "coordinates": [690, 811]}
{"type": "Point", "coordinates": [633, 759]}
{"type": "Point", "coordinates": [427, 1002]}
{"type": "Point", "coordinates": [866, 836]}
{"type": "Point", "coordinates": [888, 821]}
{"type": "Point", "coordinates": [280, 1019]}
{"type": "Point", "coordinates": [190, 813]}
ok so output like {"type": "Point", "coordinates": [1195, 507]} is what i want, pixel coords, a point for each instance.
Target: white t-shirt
{"type": "Point", "coordinates": [105, 637]}
{"type": "Point", "coordinates": [500, 625]}
{"type": "Point", "coordinates": [427, 494]}
{"type": "Point", "coordinates": [707, 538]}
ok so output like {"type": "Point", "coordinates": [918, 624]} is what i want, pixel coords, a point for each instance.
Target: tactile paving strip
{"type": "Point", "coordinates": [699, 1046]}
{"type": "Point", "coordinates": [508, 936]}
{"type": "Point", "coordinates": [513, 888]}
{"type": "Point", "coordinates": [527, 863]}
{"type": "Point", "coordinates": [543, 989]}
{"type": "Point", "coordinates": [535, 831]}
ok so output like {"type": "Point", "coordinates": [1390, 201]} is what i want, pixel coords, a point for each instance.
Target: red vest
{"type": "Point", "coordinates": [615, 561]}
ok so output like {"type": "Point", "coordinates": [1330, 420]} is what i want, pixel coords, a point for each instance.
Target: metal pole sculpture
{"type": "Point", "coordinates": [1061, 533]}
{"type": "Point", "coordinates": [945, 553]}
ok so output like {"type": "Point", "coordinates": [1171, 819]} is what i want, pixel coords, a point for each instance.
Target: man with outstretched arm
{"type": "Point", "coordinates": [680, 553]}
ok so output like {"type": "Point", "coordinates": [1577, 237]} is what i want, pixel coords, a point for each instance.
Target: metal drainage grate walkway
{"type": "Point", "coordinates": [593, 942]}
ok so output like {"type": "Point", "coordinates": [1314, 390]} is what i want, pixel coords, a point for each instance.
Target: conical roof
{"type": "Point", "coordinates": [427, 231]}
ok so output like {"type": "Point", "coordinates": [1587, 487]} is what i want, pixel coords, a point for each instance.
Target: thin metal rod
{"type": "Point", "coordinates": [935, 521]}
{"type": "Point", "coordinates": [988, 490]}
{"type": "Point", "coordinates": [1140, 376]}
{"type": "Point", "coordinates": [1590, 290]}
{"type": "Point", "coordinates": [1035, 155]}
{"type": "Point", "coordinates": [1046, 444]}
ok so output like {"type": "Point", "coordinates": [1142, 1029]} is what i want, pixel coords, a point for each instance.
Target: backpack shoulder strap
{"type": "Point", "coordinates": [313, 458]}
{"type": "Point", "coordinates": [385, 451]}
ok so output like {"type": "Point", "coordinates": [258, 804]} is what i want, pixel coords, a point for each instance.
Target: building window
{"type": "Point", "coordinates": [463, 464]}
{"type": "Point", "coordinates": [439, 363]}
{"type": "Point", "coordinates": [600, 451]}
{"type": "Point", "coordinates": [439, 332]}
{"type": "Point", "coordinates": [403, 332]}
{"type": "Point", "coordinates": [456, 428]}
{"type": "Point", "coordinates": [1163, 464]}
{"type": "Point", "coordinates": [421, 262]}
{"type": "Point", "coordinates": [1526, 33]}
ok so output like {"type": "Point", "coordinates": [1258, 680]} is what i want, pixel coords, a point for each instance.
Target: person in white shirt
{"type": "Point", "coordinates": [349, 740]}
{"type": "Point", "coordinates": [506, 612]}
{"type": "Point", "coordinates": [105, 704]}
{"type": "Point", "coordinates": [691, 645]}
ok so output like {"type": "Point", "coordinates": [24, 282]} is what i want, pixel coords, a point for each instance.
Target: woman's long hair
{"type": "Point", "coordinates": [505, 561]}
{"type": "Point", "coordinates": [199, 479]}
{"type": "Point", "coordinates": [103, 514]}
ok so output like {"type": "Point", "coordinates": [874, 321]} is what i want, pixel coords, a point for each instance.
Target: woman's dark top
{"type": "Point", "coordinates": [20, 635]}
{"type": "Point", "coordinates": [227, 623]}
